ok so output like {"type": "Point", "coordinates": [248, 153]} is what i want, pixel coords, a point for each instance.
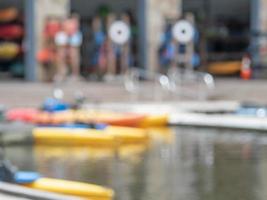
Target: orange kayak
{"type": "Point", "coordinates": [111, 118]}
{"type": "Point", "coordinates": [8, 14]}
{"type": "Point", "coordinates": [87, 117]}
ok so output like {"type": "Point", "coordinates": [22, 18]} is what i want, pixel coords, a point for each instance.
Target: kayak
{"type": "Point", "coordinates": [154, 121]}
{"type": "Point", "coordinates": [35, 181]}
{"type": "Point", "coordinates": [122, 119]}
{"type": "Point", "coordinates": [21, 114]}
{"type": "Point", "coordinates": [225, 68]}
{"type": "Point", "coordinates": [110, 136]}
{"type": "Point", "coordinates": [10, 32]}
{"type": "Point", "coordinates": [86, 117]}
{"type": "Point", "coordinates": [83, 190]}
{"type": "Point", "coordinates": [8, 14]}
{"type": "Point", "coordinates": [9, 50]}
{"type": "Point", "coordinates": [108, 117]}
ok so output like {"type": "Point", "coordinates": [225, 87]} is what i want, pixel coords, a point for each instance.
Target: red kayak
{"type": "Point", "coordinates": [11, 32]}
{"type": "Point", "coordinates": [22, 114]}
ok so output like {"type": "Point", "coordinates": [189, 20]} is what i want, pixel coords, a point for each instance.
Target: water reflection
{"type": "Point", "coordinates": [195, 164]}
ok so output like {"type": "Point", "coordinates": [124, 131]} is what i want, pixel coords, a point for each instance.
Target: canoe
{"type": "Point", "coordinates": [110, 136]}
{"type": "Point", "coordinates": [79, 189]}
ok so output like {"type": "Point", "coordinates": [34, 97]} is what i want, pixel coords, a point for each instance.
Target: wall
{"type": "Point", "coordinates": [16, 3]}
{"type": "Point", "coordinates": [238, 9]}
{"type": "Point", "coordinates": [260, 25]}
{"type": "Point", "coordinates": [87, 8]}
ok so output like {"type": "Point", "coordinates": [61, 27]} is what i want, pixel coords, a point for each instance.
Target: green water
{"type": "Point", "coordinates": [198, 164]}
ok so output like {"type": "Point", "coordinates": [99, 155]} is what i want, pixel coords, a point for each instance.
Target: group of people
{"type": "Point", "coordinates": [64, 44]}
{"type": "Point", "coordinates": [109, 57]}
{"type": "Point", "coordinates": [173, 53]}
{"type": "Point", "coordinates": [61, 48]}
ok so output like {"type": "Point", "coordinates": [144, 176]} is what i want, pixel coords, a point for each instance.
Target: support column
{"type": "Point", "coordinates": [259, 25]}
{"type": "Point", "coordinates": [30, 61]}
{"type": "Point", "coordinates": [142, 24]}
{"type": "Point", "coordinates": [157, 12]}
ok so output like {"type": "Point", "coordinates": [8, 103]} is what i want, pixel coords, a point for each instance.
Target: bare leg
{"type": "Point", "coordinates": [125, 59]}
{"type": "Point", "coordinates": [61, 64]}
{"type": "Point", "coordinates": [74, 53]}
{"type": "Point", "coordinates": [111, 60]}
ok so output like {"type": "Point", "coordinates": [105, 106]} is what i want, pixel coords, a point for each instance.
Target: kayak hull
{"type": "Point", "coordinates": [83, 190]}
{"type": "Point", "coordinates": [111, 136]}
{"type": "Point", "coordinates": [154, 121]}
{"type": "Point", "coordinates": [87, 117]}
{"type": "Point", "coordinates": [64, 136]}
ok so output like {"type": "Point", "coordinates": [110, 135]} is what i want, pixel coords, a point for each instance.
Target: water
{"type": "Point", "coordinates": [186, 164]}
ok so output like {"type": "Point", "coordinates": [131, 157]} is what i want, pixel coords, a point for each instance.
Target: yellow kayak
{"type": "Point", "coordinates": [9, 50]}
{"type": "Point", "coordinates": [154, 121]}
{"type": "Point", "coordinates": [225, 68]}
{"type": "Point", "coordinates": [111, 136]}
{"type": "Point", "coordinates": [98, 116]}
{"type": "Point", "coordinates": [121, 119]}
{"type": "Point", "coordinates": [83, 190]}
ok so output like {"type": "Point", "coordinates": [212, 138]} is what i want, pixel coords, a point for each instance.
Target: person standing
{"type": "Point", "coordinates": [68, 42]}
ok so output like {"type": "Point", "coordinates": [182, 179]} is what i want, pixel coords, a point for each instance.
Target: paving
{"type": "Point", "coordinates": [19, 93]}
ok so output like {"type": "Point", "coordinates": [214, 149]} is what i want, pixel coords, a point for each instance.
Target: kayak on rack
{"type": "Point", "coordinates": [11, 32]}
{"type": "Point", "coordinates": [8, 14]}
{"type": "Point", "coordinates": [9, 50]}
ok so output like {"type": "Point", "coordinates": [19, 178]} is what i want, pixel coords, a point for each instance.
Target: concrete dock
{"type": "Point", "coordinates": [32, 94]}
